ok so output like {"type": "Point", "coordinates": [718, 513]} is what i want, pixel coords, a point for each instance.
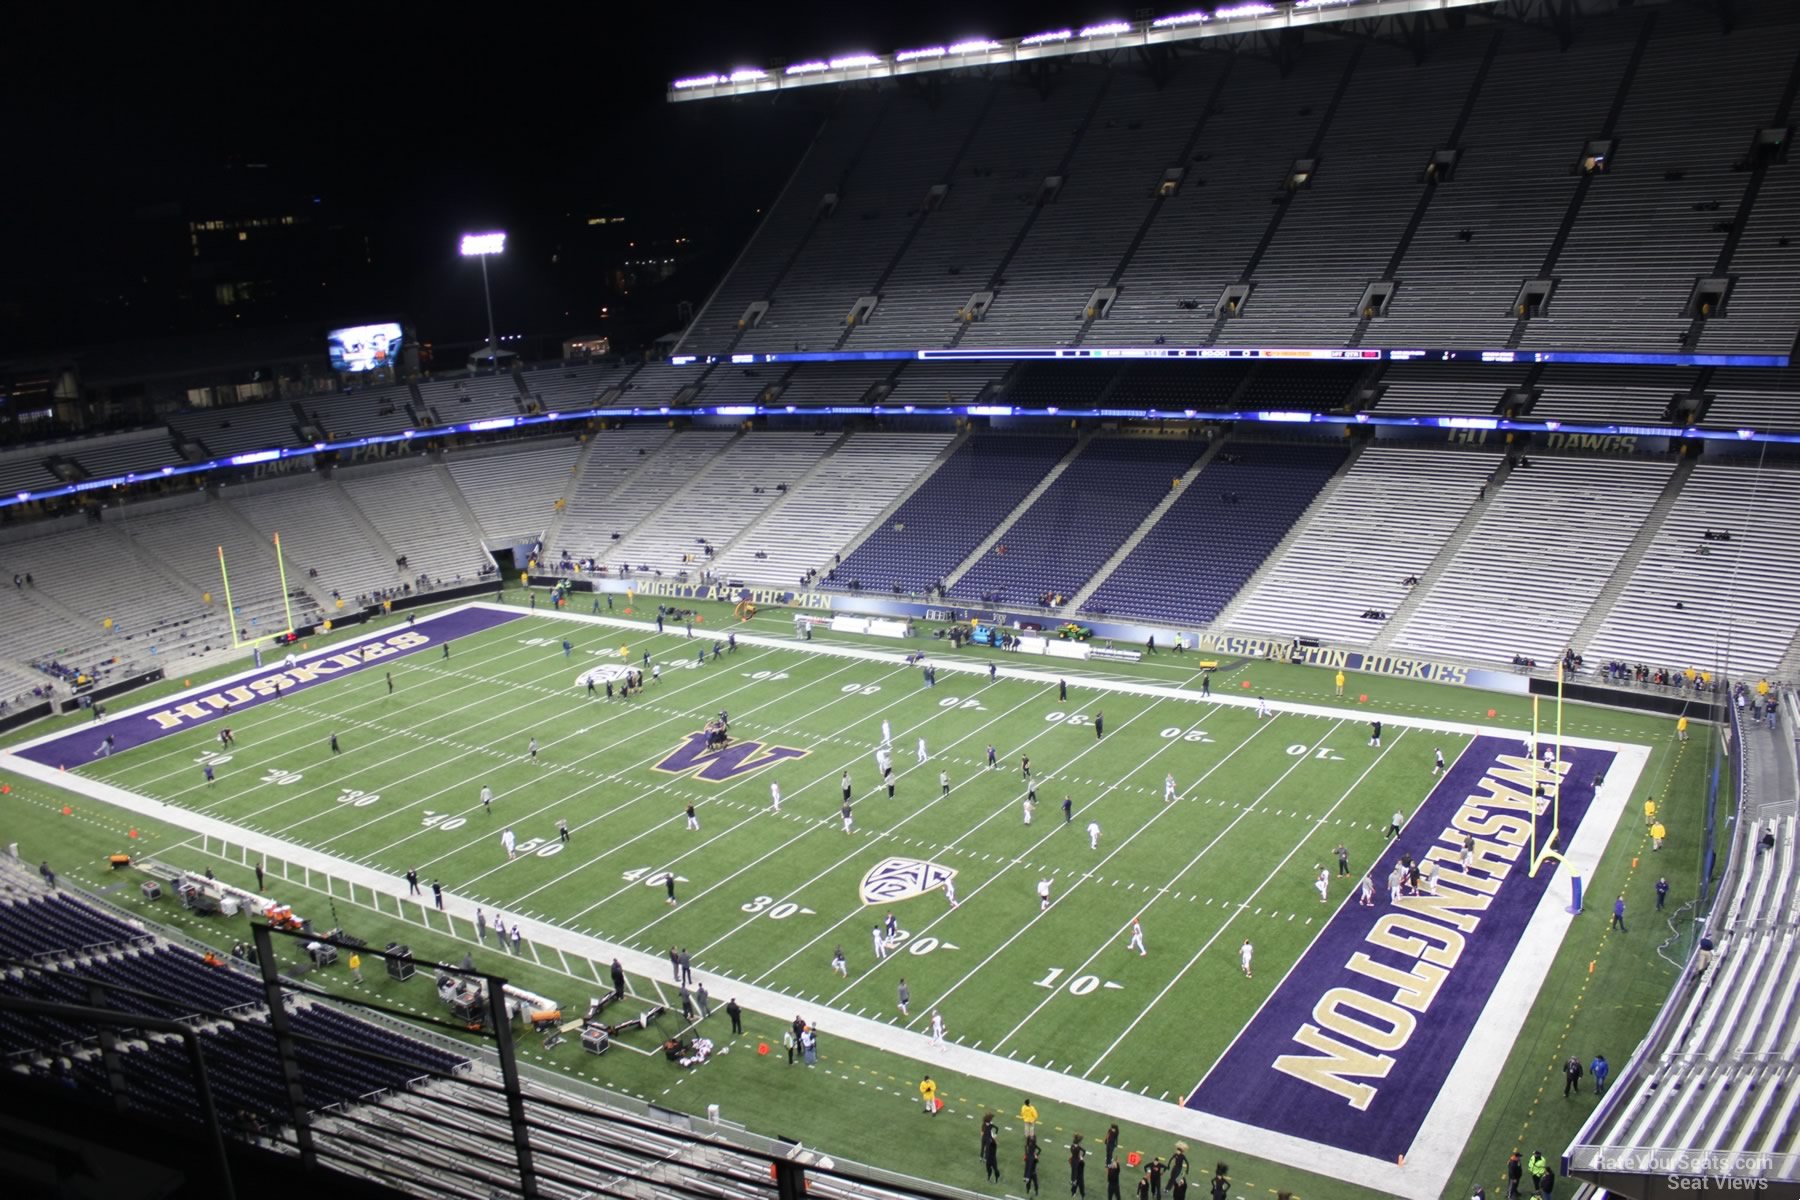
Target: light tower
{"type": "Point", "coordinates": [481, 245]}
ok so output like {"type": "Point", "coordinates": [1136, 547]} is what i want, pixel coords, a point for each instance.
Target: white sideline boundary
{"type": "Point", "coordinates": [1431, 1160]}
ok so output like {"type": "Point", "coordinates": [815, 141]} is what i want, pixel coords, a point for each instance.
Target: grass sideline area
{"type": "Point", "coordinates": [443, 732]}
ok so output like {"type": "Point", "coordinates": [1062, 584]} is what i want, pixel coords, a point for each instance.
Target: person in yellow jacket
{"type": "Point", "coordinates": [1657, 833]}
{"type": "Point", "coordinates": [1681, 729]}
{"type": "Point", "coordinates": [1649, 812]}
{"type": "Point", "coordinates": [1028, 1118]}
{"type": "Point", "coordinates": [1340, 683]}
{"type": "Point", "coordinates": [928, 1092]}
{"type": "Point", "coordinates": [356, 966]}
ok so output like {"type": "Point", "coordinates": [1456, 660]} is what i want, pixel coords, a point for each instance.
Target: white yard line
{"type": "Point", "coordinates": [1237, 911]}
{"type": "Point", "coordinates": [1243, 814]}
{"type": "Point", "coordinates": [1164, 811]}
{"type": "Point", "coordinates": [1435, 1152]}
{"type": "Point", "coordinates": [825, 823]}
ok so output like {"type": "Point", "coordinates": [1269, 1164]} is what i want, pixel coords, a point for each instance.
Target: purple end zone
{"type": "Point", "coordinates": [200, 705]}
{"type": "Point", "coordinates": [1300, 1068]}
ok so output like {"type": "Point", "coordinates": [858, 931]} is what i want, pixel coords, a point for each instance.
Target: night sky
{"type": "Point", "coordinates": [410, 125]}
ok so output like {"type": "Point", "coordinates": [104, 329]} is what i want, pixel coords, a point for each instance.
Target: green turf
{"type": "Point", "coordinates": [767, 898]}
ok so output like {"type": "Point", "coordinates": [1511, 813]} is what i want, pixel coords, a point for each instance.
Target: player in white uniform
{"type": "Point", "coordinates": [1322, 883]}
{"type": "Point", "coordinates": [1093, 835]}
{"type": "Point", "coordinates": [1244, 953]}
{"type": "Point", "coordinates": [884, 761]}
{"type": "Point", "coordinates": [774, 797]}
{"type": "Point", "coordinates": [1169, 788]}
{"type": "Point", "coordinates": [887, 734]}
{"type": "Point", "coordinates": [923, 757]}
{"type": "Point", "coordinates": [937, 1029]}
{"type": "Point", "coordinates": [950, 891]}
{"type": "Point", "coordinates": [1262, 708]}
{"type": "Point", "coordinates": [1438, 763]}
{"type": "Point", "coordinates": [1137, 938]}
{"type": "Point", "coordinates": [880, 942]}
{"type": "Point", "coordinates": [1043, 895]}
{"type": "Point", "coordinates": [506, 840]}
{"type": "Point", "coordinates": [1029, 806]}
{"type": "Point", "coordinates": [1368, 892]}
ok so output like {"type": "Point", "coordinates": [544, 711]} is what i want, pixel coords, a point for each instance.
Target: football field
{"type": "Point", "coordinates": [765, 898]}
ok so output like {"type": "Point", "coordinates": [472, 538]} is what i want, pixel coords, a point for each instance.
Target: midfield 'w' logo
{"type": "Point", "coordinates": [722, 766]}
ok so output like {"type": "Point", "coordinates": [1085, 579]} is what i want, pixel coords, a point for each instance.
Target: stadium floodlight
{"type": "Point", "coordinates": [696, 81]}
{"type": "Point", "coordinates": [1044, 39]}
{"type": "Point", "coordinates": [1181, 19]}
{"type": "Point", "coordinates": [974, 46]}
{"type": "Point", "coordinates": [807, 68]}
{"type": "Point", "coordinates": [1106, 29]}
{"type": "Point", "coordinates": [1243, 10]}
{"type": "Point", "coordinates": [849, 61]}
{"type": "Point", "coordinates": [483, 245]}
{"type": "Point", "coordinates": [746, 75]}
{"type": "Point", "coordinates": [915, 55]}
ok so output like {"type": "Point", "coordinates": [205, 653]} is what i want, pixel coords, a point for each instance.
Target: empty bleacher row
{"type": "Point", "coordinates": [1189, 565]}
{"type": "Point", "coordinates": [1057, 544]}
{"type": "Point", "coordinates": [1700, 600]}
{"type": "Point", "coordinates": [940, 524]}
{"type": "Point", "coordinates": [1558, 543]}
{"type": "Point", "coordinates": [1170, 185]}
{"type": "Point", "coordinates": [804, 529]}
{"type": "Point", "coordinates": [1385, 522]}
{"type": "Point", "coordinates": [1719, 1078]}
{"type": "Point", "coordinates": [1540, 552]}
{"type": "Point", "coordinates": [63, 950]}
{"type": "Point", "coordinates": [381, 1102]}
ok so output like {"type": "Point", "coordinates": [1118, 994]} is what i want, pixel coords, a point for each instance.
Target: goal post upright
{"type": "Point", "coordinates": [287, 604]}
{"type": "Point", "coordinates": [1531, 753]}
{"type": "Point", "coordinates": [287, 610]}
{"type": "Point", "coordinates": [1548, 852]}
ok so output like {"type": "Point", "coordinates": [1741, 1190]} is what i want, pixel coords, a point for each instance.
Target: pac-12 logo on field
{"type": "Point", "coordinates": [723, 766]}
{"type": "Point", "coordinates": [609, 673]}
{"type": "Point", "coordinates": [894, 879]}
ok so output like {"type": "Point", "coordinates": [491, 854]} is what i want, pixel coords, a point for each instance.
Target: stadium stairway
{"type": "Point", "coordinates": [1646, 534]}
{"type": "Point", "coordinates": [1157, 201]}
{"type": "Point", "coordinates": [794, 485]}
{"type": "Point", "coordinates": [1790, 662]}
{"type": "Point", "coordinates": [1137, 535]}
{"type": "Point", "coordinates": [296, 574]}
{"type": "Point", "coordinates": [1295, 532]}
{"type": "Point", "coordinates": [996, 282]}
{"type": "Point", "coordinates": [1605, 133]}
{"type": "Point", "coordinates": [553, 531]}
{"type": "Point", "coordinates": [1285, 200]}
{"type": "Point", "coordinates": [881, 518]}
{"type": "Point", "coordinates": [648, 520]}
{"type": "Point", "coordinates": [949, 172]}
{"type": "Point", "coordinates": [463, 507]}
{"type": "Point", "coordinates": [371, 535]}
{"type": "Point", "coordinates": [1429, 192]}
{"type": "Point", "coordinates": [1031, 497]}
{"type": "Point", "coordinates": [1400, 616]}
{"type": "Point", "coordinates": [149, 564]}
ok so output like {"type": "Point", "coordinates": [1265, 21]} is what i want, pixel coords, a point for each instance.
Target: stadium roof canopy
{"type": "Point", "coordinates": [1219, 19]}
